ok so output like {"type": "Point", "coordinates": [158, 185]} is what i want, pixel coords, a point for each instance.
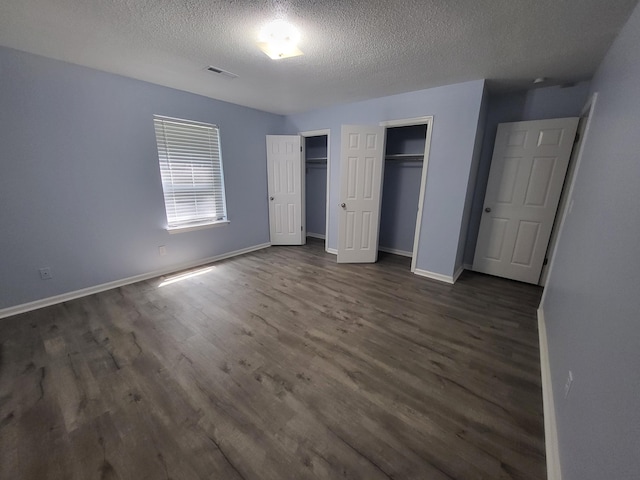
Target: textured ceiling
{"type": "Point", "coordinates": [354, 50]}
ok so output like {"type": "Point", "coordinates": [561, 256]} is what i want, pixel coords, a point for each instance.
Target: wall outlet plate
{"type": "Point", "coordinates": [162, 250]}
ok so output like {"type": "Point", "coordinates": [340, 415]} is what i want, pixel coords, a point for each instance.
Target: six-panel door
{"type": "Point", "coordinates": [361, 168]}
{"type": "Point", "coordinates": [529, 164]}
{"type": "Point", "coordinates": [284, 168]}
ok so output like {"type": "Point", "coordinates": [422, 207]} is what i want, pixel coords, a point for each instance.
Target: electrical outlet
{"type": "Point", "coordinates": [45, 273]}
{"type": "Point", "coordinates": [567, 385]}
{"type": "Point", "coordinates": [162, 250]}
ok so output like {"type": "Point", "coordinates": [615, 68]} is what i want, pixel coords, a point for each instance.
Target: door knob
{"type": "Point", "coordinates": [271, 198]}
{"type": "Point", "coordinates": [488, 210]}
{"type": "Point", "coordinates": [343, 205]}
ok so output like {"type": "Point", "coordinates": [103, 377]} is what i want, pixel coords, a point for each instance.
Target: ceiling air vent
{"type": "Point", "coordinates": [222, 72]}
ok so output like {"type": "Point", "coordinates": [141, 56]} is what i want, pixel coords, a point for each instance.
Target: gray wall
{"type": "Point", "coordinates": [473, 180]}
{"type": "Point", "coordinates": [80, 187]}
{"type": "Point", "coordinates": [400, 194]}
{"type": "Point", "coordinates": [316, 198]}
{"type": "Point", "coordinates": [537, 104]}
{"type": "Point", "coordinates": [316, 147]}
{"type": "Point", "coordinates": [592, 304]}
{"type": "Point", "coordinates": [316, 185]}
{"type": "Point", "coordinates": [456, 110]}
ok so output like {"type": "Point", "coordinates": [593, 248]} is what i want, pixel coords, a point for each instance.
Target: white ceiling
{"type": "Point", "coordinates": [354, 50]}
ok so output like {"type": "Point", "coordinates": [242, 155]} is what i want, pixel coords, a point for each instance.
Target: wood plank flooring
{"type": "Point", "coordinates": [280, 364]}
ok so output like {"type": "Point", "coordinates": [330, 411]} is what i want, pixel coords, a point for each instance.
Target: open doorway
{"type": "Point", "coordinates": [404, 181]}
{"type": "Point", "coordinates": [315, 147]}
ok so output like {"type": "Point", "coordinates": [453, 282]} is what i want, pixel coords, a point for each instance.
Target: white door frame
{"type": "Point", "coordinates": [318, 133]}
{"type": "Point", "coordinates": [408, 122]}
{"type": "Point", "coordinates": [587, 111]}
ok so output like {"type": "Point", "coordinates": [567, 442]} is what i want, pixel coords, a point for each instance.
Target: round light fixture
{"type": "Point", "coordinates": [279, 31]}
{"type": "Point", "coordinates": [279, 39]}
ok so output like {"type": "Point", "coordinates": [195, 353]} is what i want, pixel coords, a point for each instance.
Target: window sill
{"type": "Point", "coordinates": [191, 228]}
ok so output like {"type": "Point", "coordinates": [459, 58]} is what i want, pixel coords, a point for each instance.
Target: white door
{"type": "Point", "coordinates": [527, 173]}
{"type": "Point", "coordinates": [361, 165]}
{"type": "Point", "coordinates": [284, 168]}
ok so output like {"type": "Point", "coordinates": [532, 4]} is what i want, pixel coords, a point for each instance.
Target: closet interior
{"type": "Point", "coordinates": [404, 159]}
{"type": "Point", "coordinates": [316, 185]}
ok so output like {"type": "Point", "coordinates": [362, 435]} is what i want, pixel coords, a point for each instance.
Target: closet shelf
{"type": "Point", "coordinates": [317, 160]}
{"type": "Point", "coordinates": [404, 156]}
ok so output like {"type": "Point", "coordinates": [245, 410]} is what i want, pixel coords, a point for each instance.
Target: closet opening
{"type": "Point", "coordinates": [316, 178]}
{"type": "Point", "coordinates": [404, 181]}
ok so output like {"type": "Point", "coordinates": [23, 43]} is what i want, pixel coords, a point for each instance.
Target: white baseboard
{"type": "Point", "coordinates": [65, 297]}
{"type": "Point", "coordinates": [316, 235]}
{"type": "Point", "coordinates": [403, 253]}
{"type": "Point", "coordinates": [458, 273]}
{"type": "Point", "coordinates": [436, 276]}
{"type": "Point", "coordinates": [550, 428]}
{"type": "Point", "coordinates": [334, 251]}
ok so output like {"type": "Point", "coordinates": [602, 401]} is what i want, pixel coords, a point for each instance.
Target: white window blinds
{"type": "Point", "coordinates": [191, 169]}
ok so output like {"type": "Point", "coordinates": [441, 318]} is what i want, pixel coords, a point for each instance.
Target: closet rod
{"type": "Point", "coordinates": [405, 157]}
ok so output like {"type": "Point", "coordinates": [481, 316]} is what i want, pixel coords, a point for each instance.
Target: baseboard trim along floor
{"type": "Point", "coordinates": [395, 251]}
{"type": "Point", "coordinates": [550, 427]}
{"type": "Point", "coordinates": [440, 277]}
{"type": "Point", "coordinates": [316, 235]}
{"type": "Point", "coordinates": [65, 297]}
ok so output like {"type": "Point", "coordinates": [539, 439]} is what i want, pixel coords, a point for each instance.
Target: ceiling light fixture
{"type": "Point", "coordinates": [540, 80]}
{"type": "Point", "coordinates": [279, 39]}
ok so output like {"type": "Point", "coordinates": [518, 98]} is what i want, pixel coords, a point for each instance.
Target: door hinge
{"type": "Point", "coordinates": [546, 260]}
{"type": "Point", "coordinates": [301, 148]}
{"type": "Point", "coordinates": [301, 228]}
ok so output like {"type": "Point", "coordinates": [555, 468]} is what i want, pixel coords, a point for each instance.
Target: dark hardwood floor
{"type": "Point", "coordinates": [280, 364]}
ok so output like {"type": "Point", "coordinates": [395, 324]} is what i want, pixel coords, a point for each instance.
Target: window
{"type": "Point", "coordinates": [191, 169]}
